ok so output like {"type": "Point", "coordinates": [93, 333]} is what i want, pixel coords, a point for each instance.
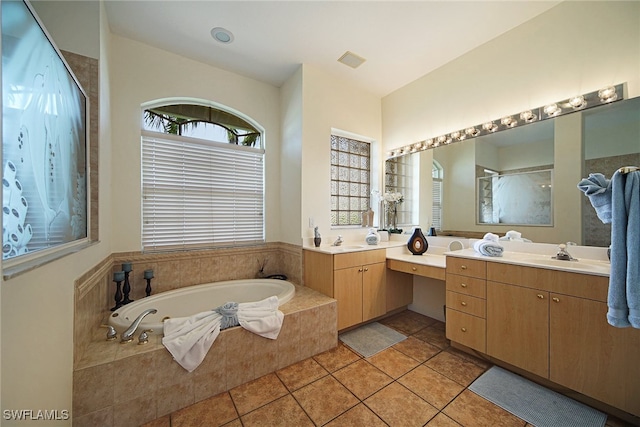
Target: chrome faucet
{"type": "Point", "coordinates": [562, 254]}
{"type": "Point", "coordinates": [338, 241]}
{"type": "Point", "coordinates": [128, 334]}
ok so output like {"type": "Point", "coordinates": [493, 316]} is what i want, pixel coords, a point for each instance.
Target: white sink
{"type": "Point", "coordinates": [590, 265]}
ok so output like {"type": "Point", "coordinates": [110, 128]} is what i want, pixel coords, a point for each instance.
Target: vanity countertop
{"type": "Point", "coordinates": [529, 255]}
{"type": "Point", "coordinates": [347, 247]}
{"type": "Point", "coordinates": [583, 265]}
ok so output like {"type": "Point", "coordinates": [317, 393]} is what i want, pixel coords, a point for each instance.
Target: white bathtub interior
{"type": "Point", "coordinates": [190, 300]}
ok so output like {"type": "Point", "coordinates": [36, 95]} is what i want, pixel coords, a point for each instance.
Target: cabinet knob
{"type": "Point", "coordinates": [540, 296]}
{"type": "Point", "coordinates": [463, 329]}
{"type": "Point", "coordinates": [464, 304]}
{"type": "Point", "coordinates": [414, 269]}
{"type": "Point", "coordinates": [463, 267]}
{"type": "Point", "coordinates": [464, 285]}
{"type": "Point", "coordinates": [359, 270]}
{"type": "Point", "coordinates": [555, 299]}
{"type": "Point", "coordinates": [366, 269]}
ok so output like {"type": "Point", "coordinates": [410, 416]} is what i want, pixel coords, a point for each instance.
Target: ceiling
{"type": "Point", "coordinates": [400, 40]}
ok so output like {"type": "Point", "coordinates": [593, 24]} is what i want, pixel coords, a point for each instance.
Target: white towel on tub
{"type": "Point", "coordinates": [188, 339]}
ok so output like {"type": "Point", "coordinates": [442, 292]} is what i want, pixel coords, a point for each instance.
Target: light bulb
{"type": "Point", "coordinates": [607, 94]}
{"type": "Point", "coordinates": [552, 110]}
{"type": "Point", "coordinates": [578, 102]}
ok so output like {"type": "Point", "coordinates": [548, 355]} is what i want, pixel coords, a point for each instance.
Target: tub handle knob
{"type": "Point", "coordinates": [144, 336]}
{"type": "Point", "coordinates": [111, 333]}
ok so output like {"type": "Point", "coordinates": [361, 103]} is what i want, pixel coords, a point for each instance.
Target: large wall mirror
{"type": "Point", "coordinates": [460, 186]}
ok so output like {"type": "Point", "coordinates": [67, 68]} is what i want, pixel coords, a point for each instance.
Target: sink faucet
{"type": "Point", "coordinates": [562, 254]}
{"type": "Point", "coordinates": [338, 241]}
{"type": "Point", "coordinates": [128, 334]}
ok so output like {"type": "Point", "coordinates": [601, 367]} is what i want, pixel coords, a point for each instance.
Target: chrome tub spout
{"type": "Point", "coordinates": [128, 334]}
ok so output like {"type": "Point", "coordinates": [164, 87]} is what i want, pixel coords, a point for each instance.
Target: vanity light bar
{"type": "Point", "coordinates": [605, 95]}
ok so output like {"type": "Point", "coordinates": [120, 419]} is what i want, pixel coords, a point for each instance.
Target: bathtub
{"type": "Point", "coordinates": [190, 300]}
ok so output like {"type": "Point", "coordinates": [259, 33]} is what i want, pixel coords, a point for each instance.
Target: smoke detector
{"type": "Point", "coordinates": [351, 59]}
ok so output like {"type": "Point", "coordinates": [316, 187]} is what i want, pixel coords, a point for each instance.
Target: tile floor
{"type": "Point", "coordinates": [421, 381]}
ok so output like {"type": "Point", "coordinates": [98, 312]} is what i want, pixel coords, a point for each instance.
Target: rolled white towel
{"type": "Point", "coordinates": [488, 248]}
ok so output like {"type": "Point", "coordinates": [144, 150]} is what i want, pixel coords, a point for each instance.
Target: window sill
{"type": "Point", "coordinates": [14, 270]}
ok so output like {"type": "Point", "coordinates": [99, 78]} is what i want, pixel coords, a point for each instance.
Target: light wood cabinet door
{"type": "Point", "coordinates": [347, 290]}
{"type": "Point", "coordinates": [518, 326]}
{"type": "Point", "coordinates": [374, 296]}
{"type": "Point", "coordinates": [592, 357]}
{"type": "Point", "coordinates": [466, 329]}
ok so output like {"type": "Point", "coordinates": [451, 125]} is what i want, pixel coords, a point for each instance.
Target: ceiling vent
{"type": "Point", "coordinates": [351, 59]}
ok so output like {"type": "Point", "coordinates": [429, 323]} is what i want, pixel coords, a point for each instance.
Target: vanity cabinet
{"type": "Point", "coordinates": [553, 324]}
{"type": "Point", "coordinates": [466, 302]}
{"type": "Point", "coordinates": [518, 326]}
{"type": "Point", "coordinates": [356, 280]}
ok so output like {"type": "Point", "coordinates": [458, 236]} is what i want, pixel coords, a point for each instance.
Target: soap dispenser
{"type": "Point", "coordinates": [373, 237]}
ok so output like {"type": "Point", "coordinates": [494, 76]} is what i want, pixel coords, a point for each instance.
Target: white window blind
{"type": "Point", "coordinates": [436, 213]}
{"type": "Point", "coordinates": [200, 194]}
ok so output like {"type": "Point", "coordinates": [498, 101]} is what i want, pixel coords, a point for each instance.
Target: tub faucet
{"type": "Point", "coordinates": [128, 334]}
{"type": "Point", "coordinates": [338, 241]}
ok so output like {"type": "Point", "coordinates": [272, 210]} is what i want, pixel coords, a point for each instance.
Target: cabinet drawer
{"type": "Point", "coordinates": [466, 329]}
{"type": "Point", "coordinates": [466, 304]}
{"type": "Point", "coordinates": [467, 285]}
{"type": "Point", "coordinates": [355, 259]}
{"type": "Point", "coordinates": [417, 269]}
{"type": "Point", "coordinates": [467, 267]}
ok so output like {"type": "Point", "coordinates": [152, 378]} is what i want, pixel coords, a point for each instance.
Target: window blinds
{"type": "Point", "coordinates": [436, 213]}
{"type": "Point", "coordinates": [200, 194]}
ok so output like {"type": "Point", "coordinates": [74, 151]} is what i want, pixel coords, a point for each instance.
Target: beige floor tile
{"type": "Point", "coordinates": [433, 336]}
{"type": "Point", "coordinates": [469, 409]}
{"type": "Point", "coordinates": [234, 423]}
{"type": "Point", "coordinates": [397, 406]}
{"type": "Point", "coordinates": [358, 416]}
{"type": "Point", "coordinates": [336, 358]}
{"type": "Point", "coordinates": [325, 399]}
{"type": "Point", "coordinates": [215, 411]}
{"type": "Point", "coordinates": [362, 378]}
{"type": "Point", "coordinates": [282, 412]}
{"type": "Point", "coordinates": [485, 364]}
{"type": "Point", "coordinates": [455, 368]}
{"type": "Point", "coordinates": [392, 362]}
{"type": "Point", "coordinates": [407, 322]}
{"type": "Point", "coordinates": [301, 374]}
{"type": "Point", "coordinates": [257, 393]}
{"type": "Point", "coordinates": [417, 349]}
{"type": "Point", "coordinates": [433, 387]}
{"type": "Point", "coordinates": [160, 422]}
{"type": "Point", "coordinates": [441, 420]}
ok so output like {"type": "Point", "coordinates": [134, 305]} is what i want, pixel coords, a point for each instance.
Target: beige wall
{"type": "Point", "coordinates": [291, 158]}
{"type": "Point", "coordinates": [330, 103]}
{"type": "Point", "coordinates": [37, 307]}
{"type": "Point", "coordinates": [575, 47]}
{"type": "Point", "coordinates": [141, 74]}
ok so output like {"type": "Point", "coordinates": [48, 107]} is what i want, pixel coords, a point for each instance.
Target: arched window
{"type": "Point", "coordinates": [437, 174]}
{"type": "Point", "coordinates": [202, 179]}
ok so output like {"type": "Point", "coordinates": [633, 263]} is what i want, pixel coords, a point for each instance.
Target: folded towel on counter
{"type": "Point", "coordinates": [514, 236]}
{"type": "Point", "coordinates": [188, 339]}
{"type": "Point", "coordinates": [598, 189]}
{"type": "Point", "coordinates": [489, 246]}
{"type": "Point", "coordinates": [624, 280]}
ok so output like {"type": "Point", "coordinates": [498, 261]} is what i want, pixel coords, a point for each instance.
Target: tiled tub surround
{"type": "Point", "coordinates": [128, 384]}
{"type": "Point", "coordinates": [125, 384]}
{"type": "Point", "coordinates": [95, 289]}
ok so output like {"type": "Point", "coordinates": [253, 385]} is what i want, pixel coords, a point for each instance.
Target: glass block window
{"type": "Point", "coordinates": [350, 180]}
{"type": "Point", "coordinates": [399, 177]}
